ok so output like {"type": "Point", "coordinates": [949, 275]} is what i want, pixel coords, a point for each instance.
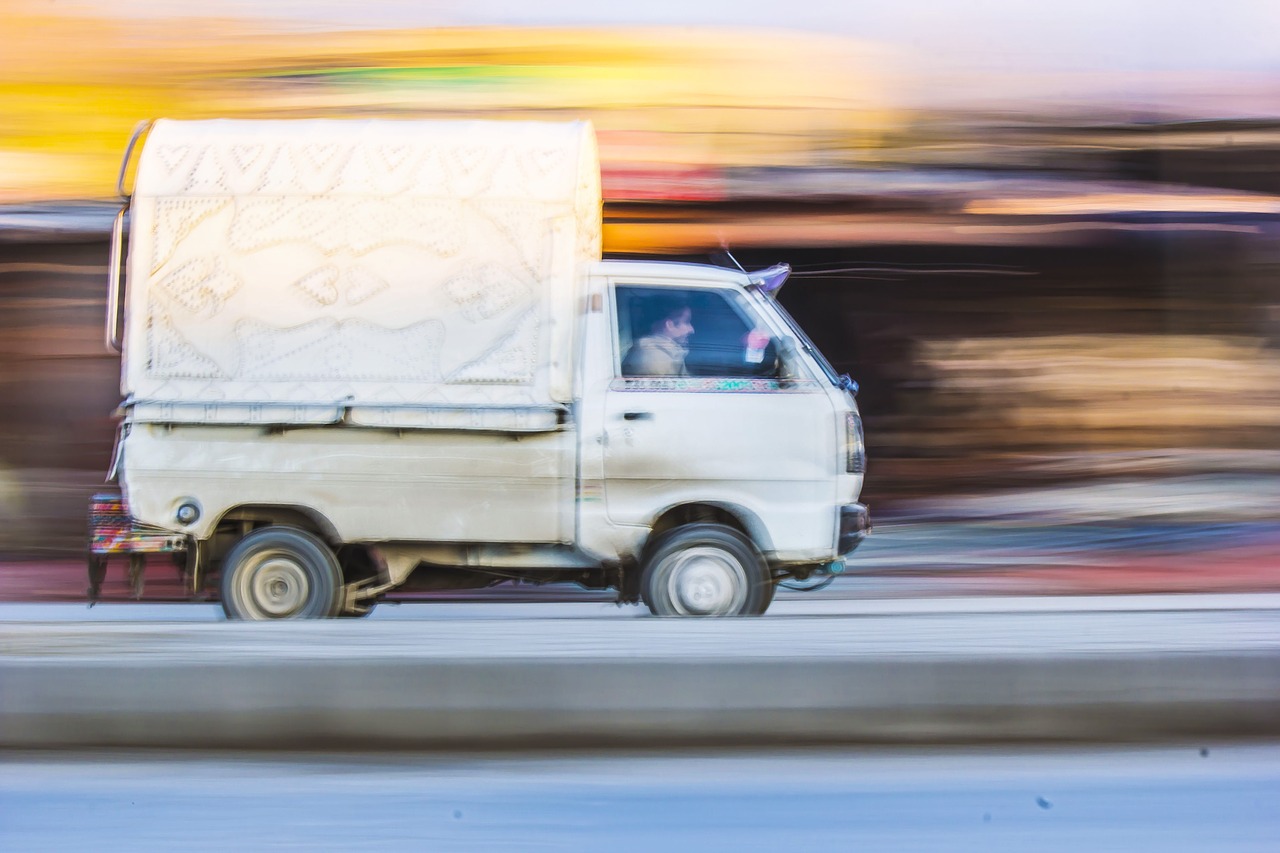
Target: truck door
{"type": "Point", "coordinates": [723, 428]}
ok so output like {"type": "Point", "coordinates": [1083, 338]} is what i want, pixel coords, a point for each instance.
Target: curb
{"type": "Point", "coordinates": [433, 705]}
{"type": "Point", "coordinates": [640, 682]}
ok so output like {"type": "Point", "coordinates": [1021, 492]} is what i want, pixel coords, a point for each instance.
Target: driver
{"type": "Point", "coordinates": [663, 350]}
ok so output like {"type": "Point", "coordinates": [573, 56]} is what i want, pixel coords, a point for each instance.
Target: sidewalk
{"type": "Point", "coordinates": [830, 672]}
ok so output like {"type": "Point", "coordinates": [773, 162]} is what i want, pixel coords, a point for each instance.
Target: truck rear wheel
{"type": "Point", "coordinates": [705, 570]}
{"type": "Point", "coordinates": [281, 573]}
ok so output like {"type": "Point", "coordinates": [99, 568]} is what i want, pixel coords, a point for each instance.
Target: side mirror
{"type": "Point", "coordinates": [788, 360]}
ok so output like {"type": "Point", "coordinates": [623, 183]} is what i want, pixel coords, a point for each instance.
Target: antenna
{"type": "Point", "coordinates": [718, 258]}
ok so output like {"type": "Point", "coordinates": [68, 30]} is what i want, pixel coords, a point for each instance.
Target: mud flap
{"type": "Point", "coordinates": [97, 573]}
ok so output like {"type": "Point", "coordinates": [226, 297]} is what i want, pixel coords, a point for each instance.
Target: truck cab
{"type": "Point", "coordinates": [757, 427]}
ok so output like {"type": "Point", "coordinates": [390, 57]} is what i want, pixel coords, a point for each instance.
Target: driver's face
{"type": "Point", "coordinates": [680, 327]}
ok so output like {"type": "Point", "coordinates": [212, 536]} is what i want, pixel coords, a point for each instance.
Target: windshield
{"type": "Point", "coordinates": [774, 305]}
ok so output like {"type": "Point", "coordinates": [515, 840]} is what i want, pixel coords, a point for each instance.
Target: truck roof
{"type": "Point", "coordinates": [684, 272]}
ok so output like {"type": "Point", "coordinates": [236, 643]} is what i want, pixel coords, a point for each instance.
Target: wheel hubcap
{"type": "Point", "coordinates": [707, 582]}
{"type": "Point", "coordinates": [278, 585]}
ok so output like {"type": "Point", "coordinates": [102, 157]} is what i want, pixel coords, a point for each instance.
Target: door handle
{"type": "Point", "coordinates": [637, 416]}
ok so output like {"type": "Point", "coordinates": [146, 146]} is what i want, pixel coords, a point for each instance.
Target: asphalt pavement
{"type": "Point", "coordinates": [1199, 796]}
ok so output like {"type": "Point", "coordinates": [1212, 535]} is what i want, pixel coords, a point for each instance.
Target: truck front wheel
{"type": "Point", "coordinates": [281, 573]}
{"type": "Point", "coordinates": [705, 570]}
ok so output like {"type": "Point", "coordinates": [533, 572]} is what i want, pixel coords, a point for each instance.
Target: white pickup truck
{"type": "Point", "coordinates": [366, 355]}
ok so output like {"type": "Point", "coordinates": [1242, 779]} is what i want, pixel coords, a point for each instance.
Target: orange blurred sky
{"type": "Point", "coordinates": [74, 87]}
{"type": "Point", "coordinates": [798, 90]}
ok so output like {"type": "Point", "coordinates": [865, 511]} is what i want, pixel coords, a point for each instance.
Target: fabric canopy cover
{"type": "Point", "coordinates": [416, 273]}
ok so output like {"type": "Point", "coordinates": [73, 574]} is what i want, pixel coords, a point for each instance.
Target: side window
{"type": "Point", "coordinates": [669, 331]}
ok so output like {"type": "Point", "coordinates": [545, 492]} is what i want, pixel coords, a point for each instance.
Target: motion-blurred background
{"type": "Point", "coordinates": [1045, 238]}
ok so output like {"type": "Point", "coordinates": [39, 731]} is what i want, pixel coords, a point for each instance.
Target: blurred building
{"type": "Point", "coordinates": [1030, 289]}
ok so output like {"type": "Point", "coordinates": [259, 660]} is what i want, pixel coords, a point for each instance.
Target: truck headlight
{"type": "Point", "coordinates": [855, 449]}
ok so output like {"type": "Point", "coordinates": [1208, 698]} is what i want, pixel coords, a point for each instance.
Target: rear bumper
{"type": "Point", "coordinates": [855, 524]}
{"type": "Point", "coordinates": [112, 530]}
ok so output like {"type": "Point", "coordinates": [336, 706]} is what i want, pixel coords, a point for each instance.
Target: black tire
{"type": "Point", "coordinates": [705, 570]}
{"type": "Point", "coordinates": [770, 589]}
{"type": "Point", "coordinates": [281, 573]}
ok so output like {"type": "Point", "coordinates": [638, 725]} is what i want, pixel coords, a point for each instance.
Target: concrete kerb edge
{"type": "Point", "coordinates": [432, 704]}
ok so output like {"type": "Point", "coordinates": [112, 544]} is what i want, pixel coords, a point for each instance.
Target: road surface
{"type": "Point", "coordinates": [1192, 797]}
{"type": "Point", "coordinates": [899, 560]}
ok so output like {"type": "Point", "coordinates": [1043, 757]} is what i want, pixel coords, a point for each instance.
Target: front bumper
{"type": "Point", "coordinates": [855, 524]}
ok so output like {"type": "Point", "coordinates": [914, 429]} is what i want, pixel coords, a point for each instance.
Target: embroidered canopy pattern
{"type": "Point", "coordinates": [368, 263]}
